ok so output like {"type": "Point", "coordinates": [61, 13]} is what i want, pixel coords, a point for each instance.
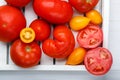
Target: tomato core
{"type": "Point", "coordinates": [28, 49]}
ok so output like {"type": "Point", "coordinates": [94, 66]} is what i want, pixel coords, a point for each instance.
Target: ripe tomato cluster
{"type": "Point", "coordinates": [25, 50]}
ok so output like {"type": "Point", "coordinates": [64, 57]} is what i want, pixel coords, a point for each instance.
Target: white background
{"type": "Point", "coordinates": [114, 47]}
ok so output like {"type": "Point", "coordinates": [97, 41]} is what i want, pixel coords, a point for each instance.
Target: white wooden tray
{"type": "Point", "coordinates": [47, 63]}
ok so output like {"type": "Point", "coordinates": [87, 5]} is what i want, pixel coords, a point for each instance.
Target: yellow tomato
{"type": "Point", "coordinates": [79, 22]}
{"type": "Point", "coordinates": [27, 35]}
{"type": "Point", "coordinates": [76, 57]}
{"type": "Point", "coordinates": [95, 16]}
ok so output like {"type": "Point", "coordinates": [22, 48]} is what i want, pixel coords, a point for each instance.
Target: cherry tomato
{"type": "Point", "coordinates": [62, 44]}
{"type": "Point", "coordinates": [18, 3]}
{"type": "Point", "coordinates": [54, 11]}
{"type": "Point", "coordinates": [42, 29]}
{"type": "Point", "coordinates": [79, 22]}
{"type": "Point", "coordinates": [98, 61]}
{"type": "Point", "coordinates": [76, 57]}
{"type": "Point", "coordinates": [11, 23]}
{"type": "Point", "coordinates": [94, 16]}
{"type": "Point", "coordinates": [83, 5]}
{"type": "Point", "coordinates": [27, 35]}
{"type": "Point", "coordinates": [90, 37]}
{"type": "Point", "coordinates": [25, 54]}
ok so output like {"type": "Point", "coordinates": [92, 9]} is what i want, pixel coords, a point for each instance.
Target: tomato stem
{"type": "Point", "coordinates": [27, 48]}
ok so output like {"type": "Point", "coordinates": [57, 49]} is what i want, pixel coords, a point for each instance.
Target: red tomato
{"type": "Point", "coordinates": [54, 11]}
{"type": "Point", "coordinates": [98, 61]}
{"type": "Point", "coordinates": [42, 29]}
{"type": "Point", "coordinates": [90, 37]}
{"type": "Point", "coordinates": [62, 45]}
{"type": "Point", "coordinates": [25, 54]}
{"type": "Point", "coordinates": [11, 23]}
{"type": "Point", "coordinates": [83, 5]}
{"type": "Point", "coordinates": [18, 3]}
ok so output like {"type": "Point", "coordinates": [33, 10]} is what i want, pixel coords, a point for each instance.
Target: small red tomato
{"type": "Point", "coordinates": [90, 37]}
{"type": "Point", "coordinates": [25, 54]}
{"type": "Point", "coordinates": [83, 5]}
{"type": "Point", "coordinates": [98, 61]}
{"type": "Point", "coordinates": [18, 3]}
{"type": "Point", "coordinates": [42, 29]}
{"type": "Point", "coordinates": [12, 21]}
{"type": "Point", "coordinates": [54, 11]}
{"type": "Point", "coordinates": [62, 45]}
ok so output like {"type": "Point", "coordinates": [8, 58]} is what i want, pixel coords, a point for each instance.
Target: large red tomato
{"type": "Point", "coordinates": [54, 11]}
{"type": "Point", "coordinates": [25, 54]}
{"type": "Point", "coordinates": [98, 61]}
{"type": "Point", "coordinates": [90, 37]}
{"type": "Point", "coordinates": [42, 29]}
{"type": "Point", "coordinates": [11, 23]}
{"type": "Point", "coordinates": [83, 5]}
{"type": "Point", "coordinates": [18, 3]}
{"type": "Point", "coordinates": [62, 45]}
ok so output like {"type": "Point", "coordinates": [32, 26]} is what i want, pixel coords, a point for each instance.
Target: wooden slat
{"type": "Point", "coordinates": [3, 46]}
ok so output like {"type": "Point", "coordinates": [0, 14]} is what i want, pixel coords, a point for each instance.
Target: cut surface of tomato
{"type": "Point", "coordinates": [27, 35]}
{"type": "Point", "coordinates": [98, 61]}
{"type": "Point", "coordinates": [90, 37]}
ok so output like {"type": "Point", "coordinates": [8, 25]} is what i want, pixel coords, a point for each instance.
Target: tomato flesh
{"type": "Point", "coordinates": [98, 61]}
{"type": "Point", "coordinates": [90, 37]}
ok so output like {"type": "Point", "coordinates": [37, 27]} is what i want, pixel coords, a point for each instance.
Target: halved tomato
{"type": "Point", "coordinates": [90, 37]}
{"type": "Point", "coordinates": [98, 61]}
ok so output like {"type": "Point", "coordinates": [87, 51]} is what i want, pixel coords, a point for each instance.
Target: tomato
{"type": "Point", "coordinates": [27, 35]}
{"type": "Point", "coordinates": [11, 23]}
{"type": "Point", "coordinates": [83, 5]}
{"type": "Point", "coordinates": [54, 11]}
{"type": "Point", "coordinates": [62, 43]}
{"type": "Point", "coordinates": [76, 57]}
{"type": "Point", "coordinates": [25, 54]}
{"type": "Point", "coordinates": [94, 16]}
{"type": "Point", "coordinates": [42, 29]}
{"type": "Point", "coordinates": [18, 3]}
{"type": "Point", "coordinates": [79, 22]}
{"type": "Point", "coordinates": [98, 61]}
{"type": "Point", "coordinates": [90, 37]}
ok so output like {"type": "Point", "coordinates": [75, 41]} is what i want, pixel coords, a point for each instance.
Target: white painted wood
{"type": "Point", "coordinates": [46, 63]}
{"type": "Point", "coordinates": [105, 25]}
{"type": "Point", "coordinates": [29, 14]}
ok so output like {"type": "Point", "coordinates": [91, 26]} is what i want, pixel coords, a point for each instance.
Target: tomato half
{"type": "Point", "coordinates": [83, 5]}
{"type": "Point", "coordinates": [62, 44]}
{"type": "Point", "coordinates": [42, 29]}
{"type": "Point", "coordinates": [27, 35]}
{"type": "Point", "coordinates": [90, 37]}
{"type": "Point", "coordinates": [11, 23]}
{"type": "Point", "coordinates": [18, 3]}
{"type": "Point", "coordinates": [98, 61]}
{"type": "Point", "coordinates": [54, 11]}
{"type": "Point", "coordinates": [25, 54]}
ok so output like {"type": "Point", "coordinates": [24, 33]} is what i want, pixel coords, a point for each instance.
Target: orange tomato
{"type": "Point", "coordinates": [79, 22]}
{"type": "Point", "coordinates": [27, 35]}
{"type": "Point", "coordinates": [95, 16]}
{"type": "Point", "coordinates": [76, 57]}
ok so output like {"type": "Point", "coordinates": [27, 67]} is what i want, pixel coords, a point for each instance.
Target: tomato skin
{"type": "Point", "coordinates": [54, 11]}
{"type": "Point", "coordinates": [11, 23]}
{"type": "Point", "coordinates": [98, 61]}
{"type": "Point", "coordinates": [95, 17]}
{"type": "Point", "coordinates": [76, 57]}
{"type": "Point", "coordinates": [90, 37]}
{"type": "Point", "coordinates": [42, 29]}
{"type": "Point", "coordinates": [25, 55]}
{"type": "Point", "coordinates": [62, 45]}
{"type": "Point", "coordinates": [18, 3]}
{"type": "Point", "coordinates": [83, 5]}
